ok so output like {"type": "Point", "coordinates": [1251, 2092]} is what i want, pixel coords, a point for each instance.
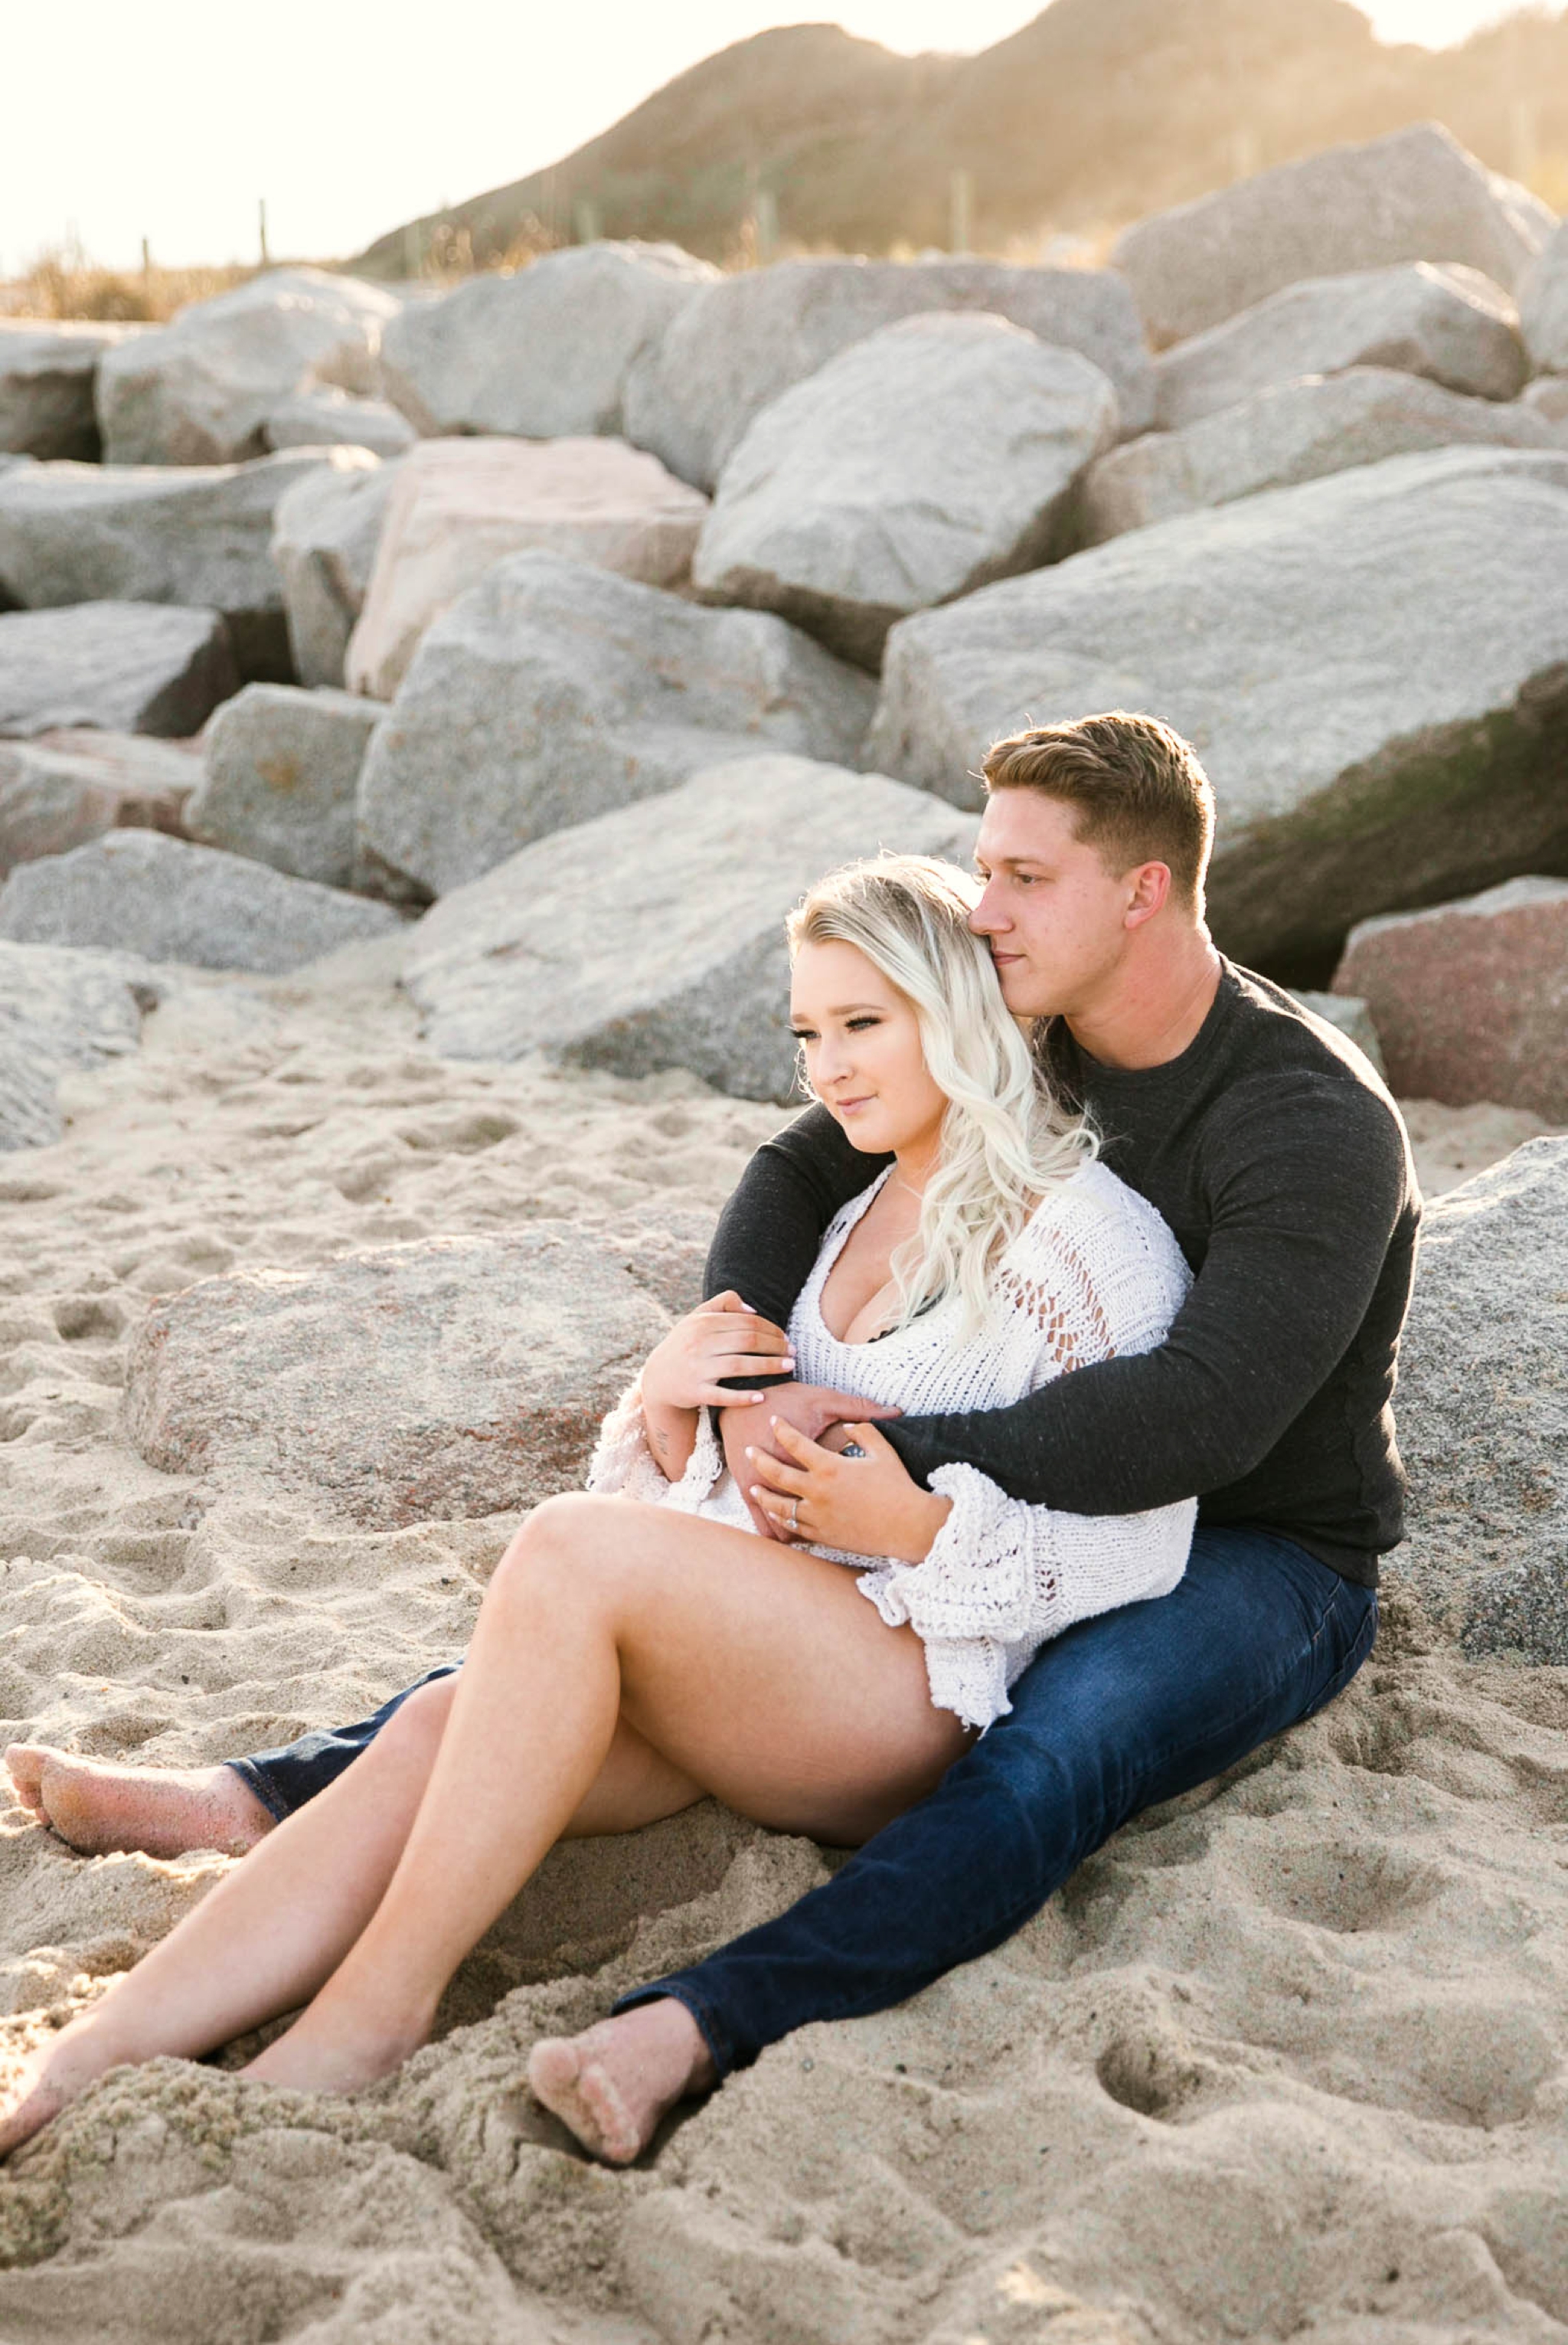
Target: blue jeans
{"type": "Point", "coordinates": [1116, 1715]}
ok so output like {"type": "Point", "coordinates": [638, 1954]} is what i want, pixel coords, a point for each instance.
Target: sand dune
{"type": "Point", "coordinates": [1286, 2060]}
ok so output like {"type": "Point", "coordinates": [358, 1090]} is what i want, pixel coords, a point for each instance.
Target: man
{"type": "Point", "coordinates": [1281, 1163]}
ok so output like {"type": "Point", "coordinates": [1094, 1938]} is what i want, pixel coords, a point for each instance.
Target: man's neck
{"type": "Point", "coordinates": [1157, 1005]}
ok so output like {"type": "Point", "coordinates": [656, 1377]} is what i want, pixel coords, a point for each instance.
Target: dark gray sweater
{"type": "Point", "coordinates": [1281, 1165]}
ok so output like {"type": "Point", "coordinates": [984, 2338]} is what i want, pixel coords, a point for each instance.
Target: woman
{"type": "Point", "coordinates": [638, 1647]}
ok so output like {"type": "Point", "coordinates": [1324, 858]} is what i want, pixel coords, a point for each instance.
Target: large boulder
{"type": "Point", "coordinates": [60, 791]}
{"type": "Point", "coordinates": [741, 342]}
{"type": "Point", "coordinates": [654, 936]}
{"type": "Point", "coordinates": [1292, 431]}
{"type": "Point", "coordinates": [1471, 999]}
{"type": "Point", "coordinates": [47, 376]}
{"type": "Point", "coordinates": [1374, 669]}
{"type": "Point", "coordinates": [195, 534]}
{"type": "Point", "coordinates": [1547, 397]}
{"type": "Point", "coordinates": [1451, 324]}
{"type": "Point", "coordinates": [544, 353]}
{"type": "Point", "coordinates": [936, 455]}
{"type": "Point", "coordinates": [449, 1377]}
{"type": "Point", "coordinates": [1414, 195]}
{"type": "Point", "coordinates": [1542, 307]}
{"type": "Point", "coordinates": [324, 539]}
{"type": "Point", "coordinates": [325, 416]}
{"type": "Point", "coordinates": [201, 390]}
{"type": "Point", "coordinates": [1482, 1406]}
{"type": "Point", "coordinates": [137, 891]}
{"type": "Point", "coordinates": [280, 769]}
{"type": "Point", "coordinates": [551, 693]}
{"type": "Point", "coordinates": [132, 667]}
{"type": "Point", "coordinates": [459, 506]}
{"type": "Point", "coordinates": [61, 1010]}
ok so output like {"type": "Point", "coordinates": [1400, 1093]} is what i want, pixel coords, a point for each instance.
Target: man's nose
{"type": "Point", "coordinates": [987, 919]}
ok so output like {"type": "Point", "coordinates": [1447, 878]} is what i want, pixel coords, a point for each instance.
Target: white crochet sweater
{"type": "Point", "coordinates": [1094, 1273]}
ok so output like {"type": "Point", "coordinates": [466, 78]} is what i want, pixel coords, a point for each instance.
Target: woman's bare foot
{"type": "Point", "coordinates": [614, 2083]}
{"type": "Point", "coordinates": [39, 2088]}
{"type": "Point", "coordinates": [340, 2043]}
{"type": "Point", "coordinates": [99, 1807]}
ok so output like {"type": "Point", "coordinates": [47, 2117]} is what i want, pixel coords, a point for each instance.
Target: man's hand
{"type": "Point", "coordinates": [814, 1410]}
{"type": "Point", "coordinates": [869, 1505]}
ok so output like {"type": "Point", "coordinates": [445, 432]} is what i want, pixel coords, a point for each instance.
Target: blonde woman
{"type": "Point", "coordinates": [639, 1646]}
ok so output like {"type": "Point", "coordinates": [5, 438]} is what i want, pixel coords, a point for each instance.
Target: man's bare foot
{"type": "Point", "coordinates": [614, 2083]}
{"type": "Point", "coordinates": [98, 1807]}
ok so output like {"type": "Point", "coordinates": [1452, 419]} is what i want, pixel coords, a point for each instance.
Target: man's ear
{"type": "Point", "coordinates": [1149, 886]}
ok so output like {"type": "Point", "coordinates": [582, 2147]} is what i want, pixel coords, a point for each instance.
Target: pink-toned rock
{"type": "Point", "coordinates": [459, 506]}
{"type": "Point", "coordinates": [62, 789]}
{"type": "Point", "coordinates": [1471, 999]}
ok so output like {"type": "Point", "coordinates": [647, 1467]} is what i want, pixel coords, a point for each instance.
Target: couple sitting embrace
{"type": "Point", "coordinates": [1114, 1243]}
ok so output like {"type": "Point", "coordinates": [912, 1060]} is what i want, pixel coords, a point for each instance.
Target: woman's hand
{"type": "Point", "coordinates": [866, 1506]}
{"type": "Point", "coordinates": [721, 1338]}
{"type": "Point", "coordinates": [680, 1376]}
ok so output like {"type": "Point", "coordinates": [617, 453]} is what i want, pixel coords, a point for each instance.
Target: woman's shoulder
{"type": "Point", "coordinates": [1112, 1230]}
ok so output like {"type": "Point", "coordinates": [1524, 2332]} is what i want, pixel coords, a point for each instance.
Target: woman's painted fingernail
{"type": "Point", "coordinates": [751, 1453]}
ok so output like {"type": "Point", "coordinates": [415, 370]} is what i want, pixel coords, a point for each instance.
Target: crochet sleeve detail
{"type": "Point", "coordinates": [1003, 1576]}
{"type": "Point", "coordinates": [623, 1463]}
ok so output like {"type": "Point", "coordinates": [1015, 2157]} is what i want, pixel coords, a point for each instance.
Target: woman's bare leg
{"type": "Point", "coordinates": [268, 1936]}
{"type": "Point", "coordinates": [760, 1672]}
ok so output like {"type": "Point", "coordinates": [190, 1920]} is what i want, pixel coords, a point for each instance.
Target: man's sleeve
{"type": "Point", "coordinates": [768, 1234]}
{"type": "Point", "coordinates": [1305, 1203]}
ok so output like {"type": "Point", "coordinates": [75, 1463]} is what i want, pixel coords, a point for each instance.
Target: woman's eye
{"type": "Point", "coordinates": [856, 1025]}
{"type": "Point", "coordinates": [802, 1033]}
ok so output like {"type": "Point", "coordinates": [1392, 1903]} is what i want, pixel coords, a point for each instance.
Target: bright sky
{"type": "Point", "coordinates": [169, 119]}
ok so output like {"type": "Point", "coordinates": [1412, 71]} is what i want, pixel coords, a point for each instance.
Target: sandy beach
{"type": "Point", "coordinates": [1286, 2060]}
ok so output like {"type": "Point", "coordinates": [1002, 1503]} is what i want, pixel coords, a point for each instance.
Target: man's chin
{"type": "Point", "coordinates": [1024, 992]}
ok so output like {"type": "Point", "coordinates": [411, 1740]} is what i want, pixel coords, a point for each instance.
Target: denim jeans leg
{"type": "Point", "coordinates": [284, 1779]}
{"type": "Point", "coordinates": [1114, 1716]}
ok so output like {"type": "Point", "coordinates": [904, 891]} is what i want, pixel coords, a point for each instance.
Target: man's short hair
{"type": "Point", "coordinates": [1139, 794]}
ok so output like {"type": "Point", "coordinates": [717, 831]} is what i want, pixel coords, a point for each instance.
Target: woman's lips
{"type": "Point", "coordinates": [849, 1107]}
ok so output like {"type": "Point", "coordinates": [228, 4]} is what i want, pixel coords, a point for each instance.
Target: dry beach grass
{"type": "Point", "coordinates": [1286, 2060]}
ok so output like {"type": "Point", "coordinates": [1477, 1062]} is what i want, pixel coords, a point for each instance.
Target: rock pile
{"type": "Point", "coordinates": [1294, 472]}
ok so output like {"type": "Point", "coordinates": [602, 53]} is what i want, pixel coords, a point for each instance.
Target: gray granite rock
{"type": "Point", "coordinates": [1451, 324]}
{"type": "Point", "coordinates": [61, 1010]}
{"type": "Point", "coordinates": [1547, 397]}
{"type": "Point", "coordinates": [654, 936]}
{"type": "Point", "coordinates": [46, 376]}
{"type": "Point", "coordinates": [544, 352]}
{"type": "Point", "coordinates": [552, 692]}
{"type": "Point", "coordinates": [936, 455]}
{"type": "Point", "coordinates": [459, 506]}
{"type": "Point", "coordinates": [194, 535]}
{"type": "Point", "coordinates": [1544, 306]}
{"type": "Point", "coordinates": [199, 392]}
{"type": "Point", "coordinates": [1290, 432]}
{"type": "Point", "coordinates": [1413, 195]}
{"type": "Point", "coordinates": [452, 1376]}
{"type": "Point", "coordinates": [1372, 668]}
{"type": "Point", "coordinates": [280, 769]}
{"type": "Point", "coordinates": [60, 791]}
{"type": "Point", "coordinates": [741, 342]}
{"type": "Point", "coordinates": [1483, 1410]}
{"type": "Point", "coordinates": [1353, 1017]}
{"type": "Point", "coordinates": [325, 416]}
{"type": "Point", "coordinates": [1473, 996]}
{"type": "Point", "coordinates": [325, 534]}
{"type": "Point", "coordinates": [137, 891]}
{"type": "Point", "coordinates": [131, 667]}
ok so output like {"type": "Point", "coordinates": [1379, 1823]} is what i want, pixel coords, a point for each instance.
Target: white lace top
{"type": "Point", "coordinates": [1094, 1273]}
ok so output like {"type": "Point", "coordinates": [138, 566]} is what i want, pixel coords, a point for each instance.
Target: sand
{"type": "Point", "coordinates": [1286, 2060]}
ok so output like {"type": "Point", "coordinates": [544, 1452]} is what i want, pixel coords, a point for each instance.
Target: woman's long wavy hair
{"type": "Point", "coordinates": [1006, 1140]}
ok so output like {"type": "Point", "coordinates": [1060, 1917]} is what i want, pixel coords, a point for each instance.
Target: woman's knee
{"type": "Point", "coordinates": [562, 1541]}
{"type": "Point", "coordinates": [416, 1726]}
